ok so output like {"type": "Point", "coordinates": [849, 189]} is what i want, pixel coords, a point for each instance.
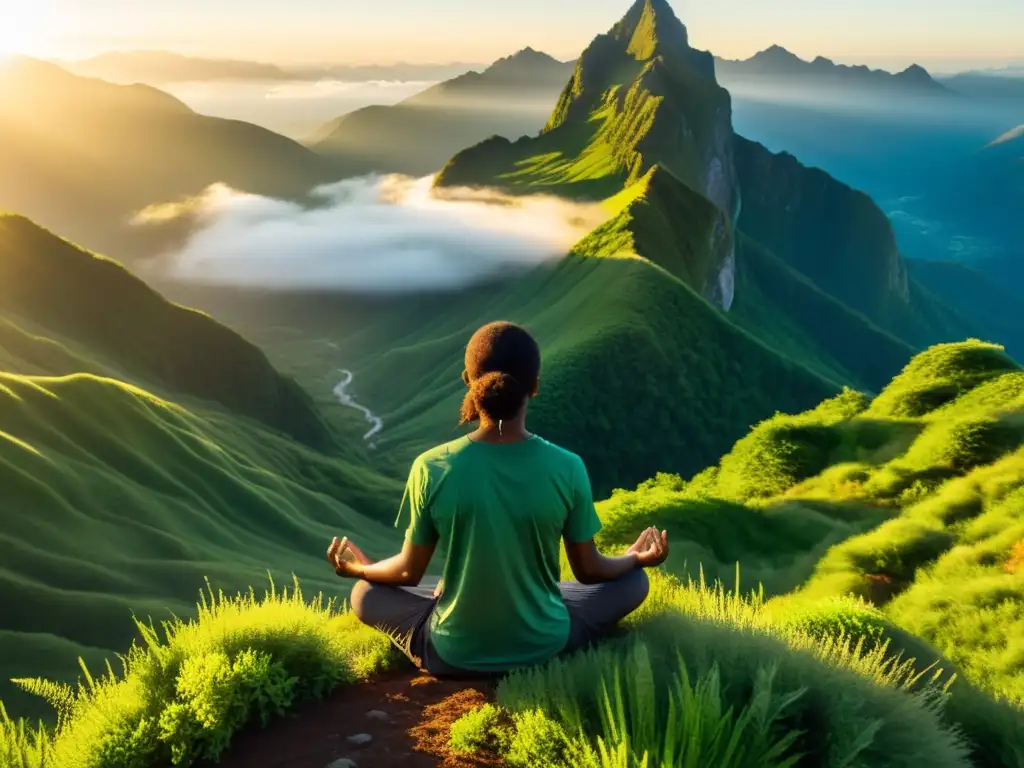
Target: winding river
{"type": "Point", "coordinates": [340, 392]}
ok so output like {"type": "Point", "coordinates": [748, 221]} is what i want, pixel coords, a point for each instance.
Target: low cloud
{"type": "Point", "coordinates": [371, 234]}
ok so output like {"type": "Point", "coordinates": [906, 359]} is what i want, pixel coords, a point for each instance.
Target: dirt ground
{"type": "Point", "coordinates": [419, 709]}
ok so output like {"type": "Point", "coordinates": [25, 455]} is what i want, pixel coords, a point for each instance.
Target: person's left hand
{"type": "Point", "coordinates": [341, 566]}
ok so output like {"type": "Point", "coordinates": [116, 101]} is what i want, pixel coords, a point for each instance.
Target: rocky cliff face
{"type": "Point", "coordinates": [660, 102]}
{"type": "Point", "coordinates": [641, 98]}
{"type": "Point", "coordinates": [831, 233]}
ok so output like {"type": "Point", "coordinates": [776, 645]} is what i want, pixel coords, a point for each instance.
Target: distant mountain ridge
{"type": "Point", "coordinates": [644, 115]}
{"type": "Point", "coordinates": [512, 96]}
{"type": "Point", "coordinates": [86, 158]}
{"type": "Point", "coordinates": [166, 68]}
{"type": "Point", "coordinates": [777, 63]}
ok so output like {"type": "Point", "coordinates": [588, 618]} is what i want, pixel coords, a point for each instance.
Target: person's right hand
{"type": "Point", "coordinates": [643, 541]}
{"type": "Point", "coordinates": [651, 548]}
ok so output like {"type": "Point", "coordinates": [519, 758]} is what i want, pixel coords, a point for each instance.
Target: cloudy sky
{"type": "Point", "coordinates": [942, 34]}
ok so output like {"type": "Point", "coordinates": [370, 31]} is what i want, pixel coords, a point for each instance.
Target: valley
{"type": "Point", "coordinates": [739, 339]}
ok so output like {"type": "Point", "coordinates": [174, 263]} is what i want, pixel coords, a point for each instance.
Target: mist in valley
{"type": "Point", "coordinates": [376, 234]}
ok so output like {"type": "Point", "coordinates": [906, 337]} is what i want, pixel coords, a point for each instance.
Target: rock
{"type": "Point", "coordinates": [360, 739]}
{"type": "Point", "coordinates": [343, 763]}
{"type": "Point", "coordinates": [377, 714]}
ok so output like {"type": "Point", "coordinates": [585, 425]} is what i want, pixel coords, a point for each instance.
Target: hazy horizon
{"type": "Point", "coordinates": [943, 36]}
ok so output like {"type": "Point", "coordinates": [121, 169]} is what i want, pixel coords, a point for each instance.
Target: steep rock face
{"type": "Point", "coordinates": [660, 101]}
{"type": "Point", "coordinates": [98, 304]}
{"type": "Point", "coordinates": [831, 233]}
{"type": "Point", "coordinates": [640, 99]}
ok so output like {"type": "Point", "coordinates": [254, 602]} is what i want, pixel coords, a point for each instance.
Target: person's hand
{"type": "Point", "coordinates": [643, 541]}
{"type": "Point", "coordinates": [342, 567]}
{"type": "Point", "coordinates": [651, 548]}
{"type": "Point", "coordinates": [360, 556]}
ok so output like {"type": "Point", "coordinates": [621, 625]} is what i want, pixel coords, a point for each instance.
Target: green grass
{"type": "Point", "coordinates": [187, 688]}
{"type": "Point", "coordinates": [626, 346]}
{"type": "Point", "coordinates": [818, 667]}
{"type": "Point", "coordinates": [96, 303]}
{"type": "Point", "coordinates": [911, 501]}
{"type": "Point", "coordinates": [116, 501]}
{"type": "Point", "coordinates": [744, 689]}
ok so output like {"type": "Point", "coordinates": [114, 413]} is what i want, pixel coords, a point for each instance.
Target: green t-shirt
{"type": "Point", "coordinates": [499, 512]}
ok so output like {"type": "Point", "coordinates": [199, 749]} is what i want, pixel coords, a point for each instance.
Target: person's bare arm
{"type": "Point", "coordinates": [406, 569]}
{"type": "Point", "coordinates": [589, 566]}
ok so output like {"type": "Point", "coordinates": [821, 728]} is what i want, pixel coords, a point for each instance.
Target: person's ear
{"type": "Point", "coordinates": [465, 377]}
{"type": "Point", "coordinates": [536, 387]}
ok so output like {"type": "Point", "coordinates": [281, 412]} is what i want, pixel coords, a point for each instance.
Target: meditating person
{"type": "Point", "coordinates": [498, 502]}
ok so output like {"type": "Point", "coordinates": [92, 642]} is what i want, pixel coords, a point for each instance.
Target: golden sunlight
{"type": "Point", "coordinates": [24, 27]}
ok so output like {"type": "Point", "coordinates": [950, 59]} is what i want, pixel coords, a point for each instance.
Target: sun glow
{"type": "Point", "coordinates": [24, 27]}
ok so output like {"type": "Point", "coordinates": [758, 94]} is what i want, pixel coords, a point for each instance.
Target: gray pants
{"type": "Point", "coordinates": [404, 614]}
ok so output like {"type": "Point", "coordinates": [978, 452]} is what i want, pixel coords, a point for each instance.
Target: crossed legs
{"type": "Point", "coordinates": [404, 612]}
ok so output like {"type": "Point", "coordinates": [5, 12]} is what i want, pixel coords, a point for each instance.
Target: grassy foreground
{"type": "Point", "coordinates": [746, 688]}
{"type": "Point", "coordinates": [887, 533]}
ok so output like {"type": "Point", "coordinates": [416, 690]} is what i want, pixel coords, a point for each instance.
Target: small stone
{"type": "Point", "coordinates": [343, 763]}
{"type": "Point", "coordinates": [360, 739]}
{"type": "Point", "coordinates": [377, 714]}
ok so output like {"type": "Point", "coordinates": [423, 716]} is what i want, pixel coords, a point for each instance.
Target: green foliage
{"type": "Point", "coordinates": [705, 668]}
{"type": "Point", "coordinates": [188, 689]}
{"type": "Point", "coordinates": [919, 527]}
{"type": "Point", "coordinates": [101, 523]}
{"type": "Point", "coordinates": [89, 300]}
{"type": "Point", "coordinates": [939, 376]}
{"type": "Point", "coordinates": [845, 617]}
{"type": "Point", "coordinates": [476, 729]}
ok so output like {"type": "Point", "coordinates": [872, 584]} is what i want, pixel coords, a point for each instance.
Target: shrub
{"type": "Point", "coordinates": [476, 730]}
{"type": "Point", "coordinates": [186, 691]}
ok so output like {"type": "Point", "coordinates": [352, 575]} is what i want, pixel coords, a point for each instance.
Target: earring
{"type": "Point", "coordinates": [502, 434]}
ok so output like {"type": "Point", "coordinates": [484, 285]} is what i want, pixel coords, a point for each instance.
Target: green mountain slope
{"type": "Point", "coordinates": [640, 373]}
{"type": "Point", "coordinates": [131, 329]}
{"type": "Point", "coordinates": [119, 502]}
{"type": "Point", "coordinates": [990, 303]}
{"type": "Point", "coordinates": [642, 98]}
{"type": "Point", "coordinates": [417, 136]}
{"type": "Point", "coordinates": [789, 313]}
{"type": "Point", "coordinates": [90, 155]}
{"type": "Point", "coordinates": [122, 497]}
{"type": "Point", "coordinates": [938, 455]}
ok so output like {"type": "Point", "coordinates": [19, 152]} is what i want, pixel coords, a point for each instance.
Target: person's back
{"type": "Point", "coordinates": [498, 502]}
{"type": "Point", "coordinates": [499, 513]}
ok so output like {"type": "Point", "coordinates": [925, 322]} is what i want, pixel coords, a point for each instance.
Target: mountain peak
{"type": "Point", "coordinates": [775, 53]}
{"type": "Point", "coordinates": [916, 73]}
{"type": "Point", "coordinates": [523, 62]}
{"type": "Point", "coordinates": [649, 27]}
